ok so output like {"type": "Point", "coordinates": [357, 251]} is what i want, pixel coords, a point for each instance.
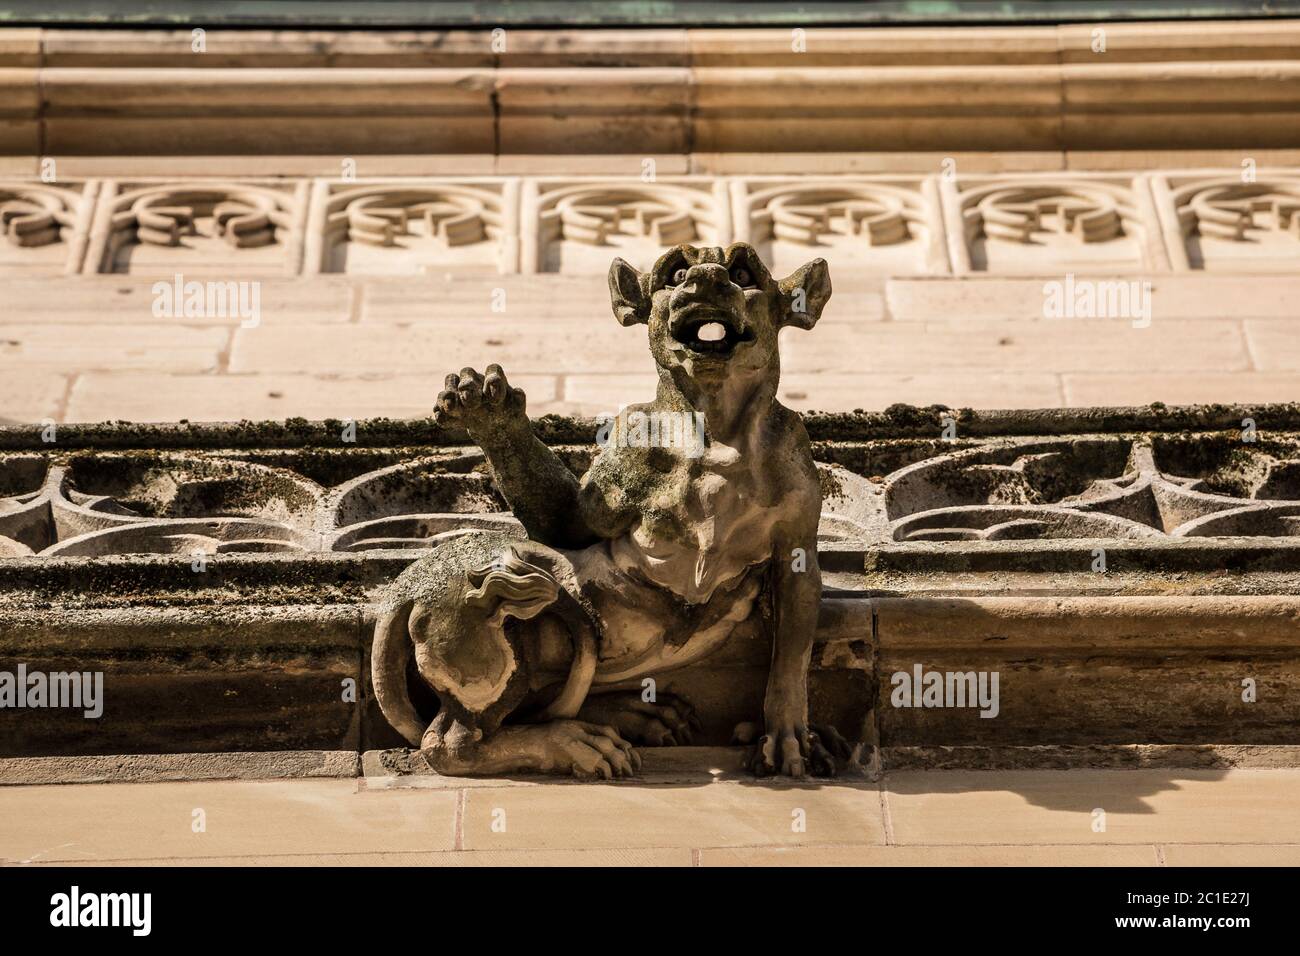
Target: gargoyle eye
{"type": "Point", "coordinates": [679, 277]}
{"type": "Point", "coordinates": [740, 275]}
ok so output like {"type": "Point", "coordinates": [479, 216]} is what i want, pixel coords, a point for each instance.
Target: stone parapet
{"type": "Point", "coordinates": [1128, 574]}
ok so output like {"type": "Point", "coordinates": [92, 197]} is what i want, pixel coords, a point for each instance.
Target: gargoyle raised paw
{"type": "Point", "coordinates": [480, 403]}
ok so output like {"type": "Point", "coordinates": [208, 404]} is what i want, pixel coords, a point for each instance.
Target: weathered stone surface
{"type": "Point", "coordinates": [1173, 298]}
{"type": "Point", "coordinates": [1177, 389]}
{"type": "Point", "coordinates": [72, 347]}
{"type": "Point", "coordinates": [1274, 345]}
{"type": "Point", "coordinates": [991, 818]}
{"type": "Point", "coordinates": [598, 816]}
{"type": "Point", "coordinates": [188, 680]}
{"type": "Point", "coordinates": [242, 818]}
{"type": "Point", "coordinates": [130, 300]}
{"type": "Point", "coordinates": [32, 395]}
{"type": "Point", "coordinates": [151, 768]}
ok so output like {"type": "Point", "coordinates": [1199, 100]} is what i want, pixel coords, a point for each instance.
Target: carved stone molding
{"type": "Point", "coordinates": [413, 226]}
{"type": "Point", "coordinates": [871, 225]}
{"type": "Point", "coordinates": [1247, 222]}
{"type": "Point", "coordinates": [1142, 487]}
{"type": "Point", "coordinates": [198, 226]}
{"type": "Point", "coordinates": [44, 227]}
{"type": "Point", "coordinates": [1010, 224]}
{"type": "Point", "coordinates": [450, 95]}
{"type": "Point", "coordinates": [1051, 223]}
{"type": "Point", "coordinates": [577, 225]}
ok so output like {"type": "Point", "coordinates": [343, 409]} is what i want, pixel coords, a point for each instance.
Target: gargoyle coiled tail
{"type": "Point", "coordinates": [455, 623]}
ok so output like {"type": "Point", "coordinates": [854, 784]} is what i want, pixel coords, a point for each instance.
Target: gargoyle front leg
{"type": "Point", "coordinates": [541, 491]}
{"type": "Point", "coordinates": [788, 746]}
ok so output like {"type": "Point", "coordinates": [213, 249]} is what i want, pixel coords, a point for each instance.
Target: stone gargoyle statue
{"type": "Point", "coordinates": [536, 648]}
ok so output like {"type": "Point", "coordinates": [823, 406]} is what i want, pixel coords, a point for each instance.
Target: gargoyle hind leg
{"type": "Point", "coordinates": [463, 652]}
{"type": "Point", "coordinates": [456, 743]}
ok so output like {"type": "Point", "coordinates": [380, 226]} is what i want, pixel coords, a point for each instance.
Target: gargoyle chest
{"type": "Point", "coordinates": [705, 530]}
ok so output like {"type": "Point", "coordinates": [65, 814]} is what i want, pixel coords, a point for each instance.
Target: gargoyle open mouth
{"type": "Point", "coordinates": [710, 332]}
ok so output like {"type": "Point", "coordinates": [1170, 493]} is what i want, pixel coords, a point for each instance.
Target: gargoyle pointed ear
{"type": "Point", "coordinates": [626, 294]}
{"type": "Point", "coordinates": [805, 293]}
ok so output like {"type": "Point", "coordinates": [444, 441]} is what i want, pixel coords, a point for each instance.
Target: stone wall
{"type": "Point", "coordinates": [404, 203]}
{"type": "Point", "coordinates": [324, 224]}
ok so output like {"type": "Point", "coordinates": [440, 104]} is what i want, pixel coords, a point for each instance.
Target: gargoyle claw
{"type": "Point", "coordinates": [668, 721]}
{"type": "Point", "coordinates": [797, 752]}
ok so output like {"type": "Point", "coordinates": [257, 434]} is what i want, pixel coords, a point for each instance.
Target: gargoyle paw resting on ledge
{"type": "Point", "coordinates": [536, 648]}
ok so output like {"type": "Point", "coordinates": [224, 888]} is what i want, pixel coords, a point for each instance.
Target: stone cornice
{"type": "Point", "coordinates": [564, 14]}
{"type": "Point", "coordinates": [1182, 86]}
{"type": "Point", "coordinates": [898, 421]}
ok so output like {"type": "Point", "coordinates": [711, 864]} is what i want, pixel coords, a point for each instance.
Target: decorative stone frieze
{"type": "Point", "coordinates": [1247, 221]}
{"type": "Point", "coordinates": [1007, 224]}
{"type": "Point", "coordinates": [576, 225]}
{"type": "Point", "coordinates": [198, 226]}
{"type": "Point", "coordinates": [406, 227]}
{"type": "Point", "coordinates": [43, 226]}
{"type": "Point", "coordinates": [1131, 486]}
{"type": "Point", "coordinates": [873, 225]}
{"type": "Point", "coordinates": [1051, 223]}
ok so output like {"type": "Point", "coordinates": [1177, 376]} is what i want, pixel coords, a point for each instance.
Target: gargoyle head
{"type": "Point", "coordinates": [714, 314]}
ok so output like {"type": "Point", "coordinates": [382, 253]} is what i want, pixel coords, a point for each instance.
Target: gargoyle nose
{"type": "Point", "coordinates": [706, 277]}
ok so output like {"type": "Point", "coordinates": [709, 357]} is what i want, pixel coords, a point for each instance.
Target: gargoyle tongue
{"type": "Point", "coordinates": [711, 332]}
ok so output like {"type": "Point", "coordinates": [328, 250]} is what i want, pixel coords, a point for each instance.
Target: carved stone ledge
{"type": "Point", "coordinates": [1208, 85]}
{"type": "Point", "coordinates": [1148, 487]}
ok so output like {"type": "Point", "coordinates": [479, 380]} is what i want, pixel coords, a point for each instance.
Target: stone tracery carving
{"type": "Point", "coordinates": [1045, 223]}
{"type": "Point", "coordinates": [1047, 489]}
{"type": "Point", "coordinates": [593, 214]}
{"type": "Point", "coordinates": [890, 225]}
{"type": "Point", "coordinates": [255, 226]}
{"type": "Point", "coordinates": [32, 215]}
{"type": "Point", "coordinates": [639, 219]}
{"type": "Point", "coordinates": [805, 216]}
{"type": "Point", "coordinates": [1231, 210]}
{"type": "Point", "coordinates": [1150, 487]}
{"type": "Point", "coordinates": [423, 223]}
{"type": "Point", "coordinates": [1024, 213]}
{"type": "Point", "coordinates": [1224, 223]}
{"type": "Point", "coordinates": [243, 218]}
{"type": "Point", "coordinates": [43, 223]}
{"type": "Point", "coordinates": [1008, 223]}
